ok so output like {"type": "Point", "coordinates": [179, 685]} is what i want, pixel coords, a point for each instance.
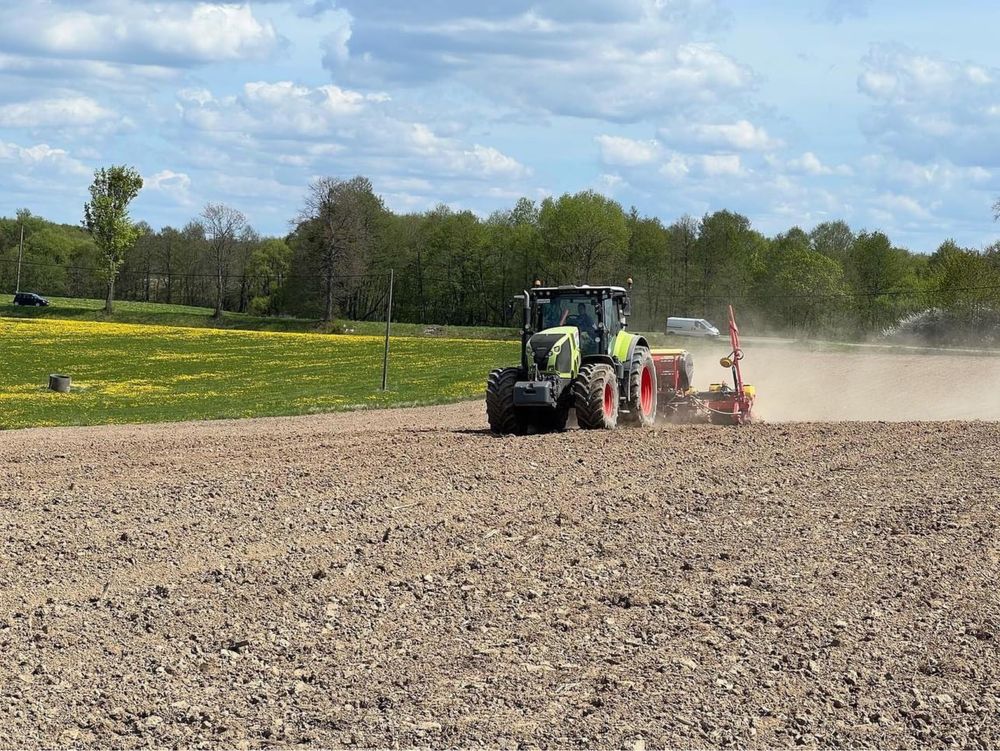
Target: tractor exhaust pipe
{"type": "Point", "coordinates": [525, 328]}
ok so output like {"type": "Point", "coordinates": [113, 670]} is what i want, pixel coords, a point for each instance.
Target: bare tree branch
{"type": "Point", "coordinates": [223, 226]}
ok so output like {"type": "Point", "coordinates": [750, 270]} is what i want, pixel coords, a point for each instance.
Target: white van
{"type": "Point", "coordinates": [691, 327]}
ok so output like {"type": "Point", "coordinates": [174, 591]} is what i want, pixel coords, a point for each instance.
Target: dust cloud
{"type": "Point", "coordinates": [798, 385]}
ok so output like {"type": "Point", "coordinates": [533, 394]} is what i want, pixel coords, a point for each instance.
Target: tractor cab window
{"type": "Point", "coordinates": [579, 311]}
{"type": "Point", "coordinates": [612, 318]}
{"type": "Point", "coordinates": [571, 310]}
{"type": "Point", "coordinates": [551, 313]}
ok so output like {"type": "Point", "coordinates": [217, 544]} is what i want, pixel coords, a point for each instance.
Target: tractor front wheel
{"type": "Point", "coordinates": [642, 390]}
{"type": "Point", "coordinates": [503, 416]}
{"type": "Point", "coordinates": [595, 396]}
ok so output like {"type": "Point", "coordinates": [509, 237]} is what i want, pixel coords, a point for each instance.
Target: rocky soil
{"type": "Point", "coordinates": [402, 578]}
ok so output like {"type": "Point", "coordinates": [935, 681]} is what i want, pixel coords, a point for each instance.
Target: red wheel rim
{"type": "Point", "coordinates": [609, 400]}
{"type": "Point", "coordinates": [646, 390]}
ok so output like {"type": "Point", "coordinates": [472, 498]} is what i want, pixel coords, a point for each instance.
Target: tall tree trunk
{"type": "Point", "coordinates": [109, 304]}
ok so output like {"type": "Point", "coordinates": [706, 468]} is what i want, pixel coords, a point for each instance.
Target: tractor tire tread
{"type": "Point", "coordinates": [503, 416]}
{"type": "Point", "coordinates": [588, 397]}
{"type": "Point", "coordinates": [634, 417]}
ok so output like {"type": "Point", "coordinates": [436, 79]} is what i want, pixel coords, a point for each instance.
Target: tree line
{"type": "Point", "coordinates": [454, 267]}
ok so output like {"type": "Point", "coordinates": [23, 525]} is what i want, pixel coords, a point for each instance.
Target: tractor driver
{"type": "Point", "coordinates": [584, 321]}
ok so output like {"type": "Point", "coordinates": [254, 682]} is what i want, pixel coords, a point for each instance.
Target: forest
{"type": "Point", "coordinates": [457, 268]}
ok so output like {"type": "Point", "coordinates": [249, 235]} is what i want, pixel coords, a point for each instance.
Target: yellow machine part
{"type": "Point", "coordinates": [668, 351]}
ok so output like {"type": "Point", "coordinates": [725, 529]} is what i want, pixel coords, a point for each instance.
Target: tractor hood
{"type": "Point", "coordinates": [555, 351]}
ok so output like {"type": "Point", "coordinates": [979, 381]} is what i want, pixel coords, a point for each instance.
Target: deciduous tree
{"type": "Point", "coordinates": [345, 215]}
{"type": "Point", "coordinates": [223, 227]}
{"type": "Point", "coordinates": [106, 217]}
{"type": "Point", "coordinates": [583, 234]}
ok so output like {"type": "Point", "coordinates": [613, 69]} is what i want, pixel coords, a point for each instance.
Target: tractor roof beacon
{"type": "Point", "coordinates": [576, 353]}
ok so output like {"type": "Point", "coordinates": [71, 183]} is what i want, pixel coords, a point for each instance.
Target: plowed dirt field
{"type": "Point", "coordinates": [403, 578]}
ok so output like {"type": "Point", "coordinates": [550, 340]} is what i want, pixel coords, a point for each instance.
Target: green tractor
{"type": "Point", "coordinates": [575, 354]}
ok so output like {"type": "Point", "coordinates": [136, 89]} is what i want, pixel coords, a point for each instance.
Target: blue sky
{"type": "Point", "coordinates": [884, 113]}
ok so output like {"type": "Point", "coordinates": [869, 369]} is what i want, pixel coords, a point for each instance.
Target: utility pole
{"type": "Point", "coordinates": [388, 321]}
{"type": "Point", "coordinates": [20, 252]}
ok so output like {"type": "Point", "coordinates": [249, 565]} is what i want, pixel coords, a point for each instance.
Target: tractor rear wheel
{"type": "Point", "coordinates": [595, 396]}
{"type": "Point", "coordinates": [642, 390]}
{"type": "Point", "coordinates": [503, 416]}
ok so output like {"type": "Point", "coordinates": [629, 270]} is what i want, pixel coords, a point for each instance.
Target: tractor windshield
{"type": "Point", "coordinates": [571, 310]}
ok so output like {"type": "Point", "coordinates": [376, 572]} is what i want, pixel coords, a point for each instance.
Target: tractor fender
{"type": "Point", "coordinates": [624, 347]}
{"type": "Point", "coordinates": [607, 360]}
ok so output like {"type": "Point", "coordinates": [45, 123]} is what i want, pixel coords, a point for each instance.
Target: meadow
{"type": "Point", "coordinates": [128, 373]}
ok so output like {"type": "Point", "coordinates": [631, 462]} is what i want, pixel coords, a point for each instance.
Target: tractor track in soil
{"type": "Point", "coordinates": [404, 578]}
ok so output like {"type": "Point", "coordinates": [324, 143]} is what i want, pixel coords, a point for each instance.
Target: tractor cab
{"type": "Point", "coordinates": [598, 314]}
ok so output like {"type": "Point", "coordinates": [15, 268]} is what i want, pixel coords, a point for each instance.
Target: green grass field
{"type": "Point", "coordinates": [127, 311]}
{"type": "Point", "coordinates": [144, 373]}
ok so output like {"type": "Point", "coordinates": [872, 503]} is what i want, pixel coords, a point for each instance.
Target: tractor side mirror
{"type": "Point", "coordinates": [627, 306]}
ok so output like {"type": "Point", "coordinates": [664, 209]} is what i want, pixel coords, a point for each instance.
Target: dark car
{"type": "Point", "coordinates": [29, 298]}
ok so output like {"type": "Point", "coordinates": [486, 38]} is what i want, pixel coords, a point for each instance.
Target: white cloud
{"type": "Point", "coordinates": [928, 108]}
{"type": "Point", "coordinates": [41, 156]}
{"type": "Point", "coordinates": [617, 150]}
{"type": "Point", "coordinates": [280, 109]}
{"type": "Point", "coordinates": [176, 185]}
{"type": "Point", "coordinates": [327, 125]}
{"type": "Point", "coordinates": [902, 204]}
{"type": "Point", "coordinates": [488, 161]}
{"type": "Point", "coordinates": [810, 164]}
{"type": "Point", "coordinates": [937, 176]}
{"type": "Point", "coordinates": [608, 183]}
{"type": "Point", "coordinates": [73, 71]}
{"type": "Point", "coordinates": [327, 100]}
{"type": "Point", "coordinates": [69, 111]}
{"type": "Point", "coordinates": [741, 135]}
{"type": "Point", "coordinates": [618, 61]}
{"type": "Point", "coordinates": [167, 34]}
{"type": "Point", "coordinates": [721, 165]}
{"type": "Point", "coordinates": [676, 168]}
{"type": "Point", "coordinates": [896, 74]}
{"type": "Point", "coordinates": [449, 155]}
